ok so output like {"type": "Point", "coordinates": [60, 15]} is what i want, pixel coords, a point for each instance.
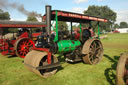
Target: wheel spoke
{"type": "Point", "coordinates": [94, 45]}
{"type": "Point", "coordinates": [91, 46]}
{"type": "Point", "coordinates": [97, 56]}
{"type": "Point", "coordinates": [25, 42]}
{"type": "Point", "coordinates": [91, 53]}
{"type": "Point", "coordinates": [98, 50]}
{"type": "Point", "coordinates": [91, 57]}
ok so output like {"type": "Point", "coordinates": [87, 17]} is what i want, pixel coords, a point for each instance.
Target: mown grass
{"type": "Point", "coordinates": [12, 71]}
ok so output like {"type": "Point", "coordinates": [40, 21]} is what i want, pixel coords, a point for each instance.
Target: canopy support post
{"type": "Point", "coordinates": [71, 29]}
{"type": "Point", "coordinates": [80, 31]}
{"type": "Point", "coordinates": [56, 37]}
{"type": "Point", "coordinates": [98, 31]}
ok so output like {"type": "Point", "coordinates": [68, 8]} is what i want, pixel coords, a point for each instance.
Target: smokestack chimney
{"type": "Point", "coordinates": [48, 20]}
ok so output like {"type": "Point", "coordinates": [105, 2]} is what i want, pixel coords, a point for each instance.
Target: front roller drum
{"type": "Point", "coordinates": [92, 51]}
{"type": "Point", "coordinates": [122, 70]}
{"type": "Point", "coordinates": [36, 59]}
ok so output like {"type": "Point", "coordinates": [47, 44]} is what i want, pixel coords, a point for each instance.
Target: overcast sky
{"type": "Point", "coordinates": [119, 6]}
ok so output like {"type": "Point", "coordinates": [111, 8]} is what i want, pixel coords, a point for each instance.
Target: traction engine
{"type": "Point", "coordinates": [19, 43]}
{"type": "Point", "coordinates": [42, 60]}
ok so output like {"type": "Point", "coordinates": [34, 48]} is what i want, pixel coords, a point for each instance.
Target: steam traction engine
{"type": "Point", "coordinates": [42, 61]}
{"type": "Point", "coordinates": [18, 43]}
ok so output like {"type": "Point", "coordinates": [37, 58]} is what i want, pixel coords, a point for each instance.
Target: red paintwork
{"type": "Point", "coordinates": [80, 16]}
{"type": "Point", "coordinates": [25, 34]}
{"type": "Point", "coordinates": [45, 50]}
{"type": "Point", "coordinates": [6, 45]}
{"type": "Point", "coordinates": [77, 36]}
{"type": "Point", "coordinates": [36, 34]}
{"type": "Point", "coordinates": [116, 31]}
{"type": "Point", "coordinates": [76, 15]}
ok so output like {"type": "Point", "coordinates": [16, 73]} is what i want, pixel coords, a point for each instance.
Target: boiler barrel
{"type": "Point", "coordinates": [67, 45]}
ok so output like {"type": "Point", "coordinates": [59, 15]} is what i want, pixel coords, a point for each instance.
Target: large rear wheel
{"type": "Point", "coordinates": [23, 46]}
{"type": "Point", "coordinates": [36, 59]}
{"type": "Point", "coordinates": [92, 51]}
{"type": "Point", "coordinates": [122, 70]}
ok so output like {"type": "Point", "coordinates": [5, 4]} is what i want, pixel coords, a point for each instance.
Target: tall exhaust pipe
{"type": "Point", "coordinates": [48, 20]}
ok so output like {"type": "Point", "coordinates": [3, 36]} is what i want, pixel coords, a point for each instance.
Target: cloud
{"type": "Point", "coordinates": [78, 9]}
{"type": "Point", "coordinates": [23, 19]}
{"type": "Point", "coordinates": [18, 19]}
{"type": "Point", "coordinates": [122, 15]}
{"type": "Point", "coordinates": [80, 1]}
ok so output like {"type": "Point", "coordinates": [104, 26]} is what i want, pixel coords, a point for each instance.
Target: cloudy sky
{"type": "Point", "coordinates": [38, 6]}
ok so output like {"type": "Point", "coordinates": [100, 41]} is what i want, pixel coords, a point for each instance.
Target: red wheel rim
{"type": "Point", "coordinates": [24, 46]}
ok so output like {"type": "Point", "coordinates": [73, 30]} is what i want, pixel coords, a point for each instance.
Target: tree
{"type": "Point", "coordinates": [34, 19]}
{"type": "Point", "coordinates": [75, 27]}
{"type": "Point", "coordinates": [62, 26]}
{"type": "Point", "coordinates": [31, 18]}
{"type": "Point", "coordinates": [4, 15]}
{"type": "Point", "coordinates": [103, 12]}
{"type": "Point", "coordinates": [123, 25]}
{"type": "Point", "coordinates": [116, 26]}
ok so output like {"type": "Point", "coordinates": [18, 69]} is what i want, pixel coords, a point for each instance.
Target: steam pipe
{"type": "Point", "coordinates": [48, 20]}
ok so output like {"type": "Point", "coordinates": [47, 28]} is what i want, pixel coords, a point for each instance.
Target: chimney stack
{"type": "Point", "coordinates": [48, 20]}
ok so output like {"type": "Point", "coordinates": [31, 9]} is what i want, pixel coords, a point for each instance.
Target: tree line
{"type": "Point", "coordinates": [121, 25]}
{"type": "Point", "coordinates": [93, 10]}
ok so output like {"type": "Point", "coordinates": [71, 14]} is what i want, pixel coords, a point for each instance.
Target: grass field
{"type": "Point", "coordinates": [12, 71]}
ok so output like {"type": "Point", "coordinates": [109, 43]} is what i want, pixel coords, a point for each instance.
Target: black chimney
{"type": "Point", "coordinates": [48, 20]}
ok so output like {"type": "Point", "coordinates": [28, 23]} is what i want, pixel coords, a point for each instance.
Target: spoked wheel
{"type": "Point", "coordinates": [92, 51]}
{"type": "Point", "coordinates": [23, 46]}
{"type": "Point", "coordinates": [122, 70]}
{"type": "Point", "coordinates": [35, 59]}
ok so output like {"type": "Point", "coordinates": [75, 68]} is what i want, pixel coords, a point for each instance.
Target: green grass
{"type": "Point", "coordinates": [12, 71]}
